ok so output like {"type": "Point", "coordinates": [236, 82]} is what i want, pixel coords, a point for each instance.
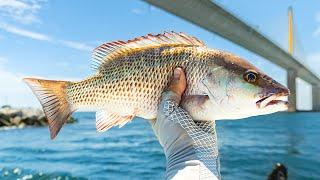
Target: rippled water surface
{"type": "Point", "coordinates": [248, 148]}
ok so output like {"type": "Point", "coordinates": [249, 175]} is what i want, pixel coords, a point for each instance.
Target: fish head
{"type": "Point", "coordinates": [237, 90]}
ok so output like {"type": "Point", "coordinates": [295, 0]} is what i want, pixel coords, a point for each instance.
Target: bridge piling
{"type": "Point", "coordinates": [291, 82]}
{"type": "Point", "coordinates": [316, 97]}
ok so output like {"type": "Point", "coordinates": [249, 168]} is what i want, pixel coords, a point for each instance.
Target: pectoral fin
{"type": "Point", "coordinates": [105, 120]}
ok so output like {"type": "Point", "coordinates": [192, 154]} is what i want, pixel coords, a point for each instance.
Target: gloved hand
{"type": "Point", "coordinates": [190, 147]}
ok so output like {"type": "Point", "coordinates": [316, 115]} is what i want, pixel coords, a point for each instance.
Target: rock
{"type": "Point", "coordinates": [11, 112]}
{"type": "Point", "coordinates": [21, 117]}
{"type": "Point", "coordinates": [21, 125]}
{"type": "Point", "coordinates": [72, 120]}
{"type": "Point", "coordinates": [43, 121]}
{"type": "Point", "coordinates": [16, 120]}
{"type": "Point", "coordinates": [5, 122]}
{"type": "Point", "coordinates": [4, 116]}
{"type": "Point", "coordinates": [6, 106]}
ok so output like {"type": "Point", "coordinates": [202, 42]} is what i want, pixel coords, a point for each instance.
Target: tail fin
{"type": "Point", "coordinates": [53, 98]}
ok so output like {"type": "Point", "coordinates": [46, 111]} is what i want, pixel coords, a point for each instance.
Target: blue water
{"type": "Point", "coordinates": [248, 148]}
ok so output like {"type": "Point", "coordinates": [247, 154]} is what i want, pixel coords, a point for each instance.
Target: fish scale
{"type": "Point", "coordinates": [137, 80]}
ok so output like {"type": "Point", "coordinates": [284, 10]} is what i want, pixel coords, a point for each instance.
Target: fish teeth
{"type": "Point", "coordinates": [264, 101]}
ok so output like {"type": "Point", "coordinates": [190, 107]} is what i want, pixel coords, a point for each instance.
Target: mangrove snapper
{"type": "Point", "coordinates": [130, 77]}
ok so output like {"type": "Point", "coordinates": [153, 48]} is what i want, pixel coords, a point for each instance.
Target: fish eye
{"type": "Point", "coordinates": [250, 76]}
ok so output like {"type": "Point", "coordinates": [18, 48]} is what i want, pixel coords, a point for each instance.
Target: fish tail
{"type": "Point", "coordinates": [53, 98]}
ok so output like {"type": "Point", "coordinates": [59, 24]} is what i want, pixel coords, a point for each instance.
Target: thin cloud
{"type": "Point", "coordinates": [16, 92]}
{"type": "Point", "coordinates": [318, 16]}
{"type": "Point", "coordinates": [43, 37]}
{"type": "Point", "coordinates": [314, 58]}
{"type": "Point", "coordinates": [13, 4]}
{"type": "Point", "coordinates": [141, 11]}
{"type": "Point", "coordinates": [25, 12]}
{"type": "Point", "coordinates": [25, 33]}
{"type": "Point", "coordinates": [137, 11]}
{"type": "Point", "coordinates": [314, 62]}
{"type": "Point", "coordinates": [3, 61]}
{"type": "Point", "coordinates": [22, 11]}
{"type": "Point", "coordinates": [76, 45]}
{"type": "Point", "coordinates": [316, 32]}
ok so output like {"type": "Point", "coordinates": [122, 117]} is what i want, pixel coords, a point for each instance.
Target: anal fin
{"type": "Point", "coordinates": [105, 120]}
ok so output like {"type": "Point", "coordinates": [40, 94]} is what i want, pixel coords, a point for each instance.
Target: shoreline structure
{"type": "Point", "coordinates": [21, 117]}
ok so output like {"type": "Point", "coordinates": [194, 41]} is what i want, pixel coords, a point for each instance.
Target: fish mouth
{"type": "Point", "coordinates": [272, 99]}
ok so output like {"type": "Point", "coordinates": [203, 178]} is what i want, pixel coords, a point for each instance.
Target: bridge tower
{"type": "Point", "coordinates": [291, 73]}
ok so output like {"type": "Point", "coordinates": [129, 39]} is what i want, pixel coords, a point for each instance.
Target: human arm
{"type": "Point", "coordinates": [190, 147]}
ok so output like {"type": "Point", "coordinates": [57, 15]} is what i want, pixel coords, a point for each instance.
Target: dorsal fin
{"type": "Point", "coordinates": [107, 51]}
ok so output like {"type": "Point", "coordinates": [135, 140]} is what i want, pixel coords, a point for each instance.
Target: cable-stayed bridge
{"type": "Point", "coordinates": [212, 17]}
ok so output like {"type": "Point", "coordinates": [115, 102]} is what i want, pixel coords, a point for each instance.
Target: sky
{"type": "Point", "coordinates": [54, 39]}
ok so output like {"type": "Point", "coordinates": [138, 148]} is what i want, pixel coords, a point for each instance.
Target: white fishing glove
{"type": "Point", "coordinates": [190, 147]}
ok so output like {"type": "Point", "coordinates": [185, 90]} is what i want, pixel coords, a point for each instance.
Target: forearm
{"type": "Point", "coordinates": [193, 147]}
{"type": "Point", "coordinates": [183, 162]}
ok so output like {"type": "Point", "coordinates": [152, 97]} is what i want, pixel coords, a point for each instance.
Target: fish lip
{"type": "Point", "coordinates": [272, 99]}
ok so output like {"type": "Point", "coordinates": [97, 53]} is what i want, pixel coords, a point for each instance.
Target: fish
{"type": "Point", "coordinates": [130, 76]}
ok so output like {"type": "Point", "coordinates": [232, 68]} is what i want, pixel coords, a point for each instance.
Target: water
{"type": "Point", "coordinates": [249, 148]}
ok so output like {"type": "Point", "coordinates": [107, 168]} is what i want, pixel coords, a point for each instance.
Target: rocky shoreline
{"type": "Point", "coordinates": [21, 117]}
